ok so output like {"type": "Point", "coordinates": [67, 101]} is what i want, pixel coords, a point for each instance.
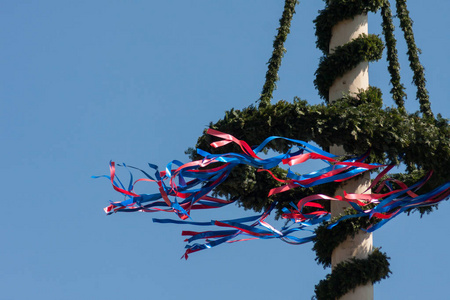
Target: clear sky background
{"type": "Point", "coordinates": [84, 82]}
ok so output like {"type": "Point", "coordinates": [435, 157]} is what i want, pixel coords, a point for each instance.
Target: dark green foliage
{"type": "Point", "coordinates": [359, 123]}
{"type": "Point", "coordinates": [337, 11]}
{"type": "Point", "coordinates": [350, 274]}
{"type": "Point", "coordinates": [398, 90]}
{"type": "Point", "coordinates": [413, 56]}
{"type": "Point", "coordinates": [278, 52]}
{"type": "Point", "coordinates": [327, 240]}
{"type": "Point", "coordinates": [345, 58]}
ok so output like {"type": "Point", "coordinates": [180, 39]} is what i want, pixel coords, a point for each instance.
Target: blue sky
{"type": "Point", "coordinates": [84, 82]}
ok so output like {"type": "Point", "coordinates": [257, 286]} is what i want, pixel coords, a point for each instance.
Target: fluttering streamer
{"type": "Point", "coordinates": [183, 188]}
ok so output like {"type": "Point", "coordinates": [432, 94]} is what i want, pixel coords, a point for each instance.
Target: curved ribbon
{"type": "Point", "coordinates": [191, 183]}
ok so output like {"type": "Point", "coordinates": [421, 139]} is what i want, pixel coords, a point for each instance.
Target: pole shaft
{"type": "Point", "coordinates": [352, 82]}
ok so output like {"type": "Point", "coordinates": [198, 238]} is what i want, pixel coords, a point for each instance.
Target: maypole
{"type": "Point", "coordinates": [353, 122]}
{"type": "Point", "coordinates": [342, 31]}
{"type": "Point", "coordinates": [351, 83]}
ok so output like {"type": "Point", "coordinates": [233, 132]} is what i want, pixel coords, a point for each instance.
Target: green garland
{"type": "Point", "coordinates": [337, 11]}
{"type": "Point", "coordinates": [278, 52]}
{"type": "Point", "coordinates": [345, 58]}
{"type": "Point", "coordinates": [398, 90]}
{"type": "Point", "coordinates": [413, 56]}
{"type": "Point", "coordinates": [327, 240]}
{"type": "Point", "coordinates": [350, 274]}
{"type": "Point", "coordinates": [357, 122]}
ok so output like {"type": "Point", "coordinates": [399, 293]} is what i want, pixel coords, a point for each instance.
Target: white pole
{"type": "Point", "coordinates": [352, 82]}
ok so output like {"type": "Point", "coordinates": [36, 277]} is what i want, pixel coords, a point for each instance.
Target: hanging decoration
{"type": "Point", "coordinates": [183, 188]}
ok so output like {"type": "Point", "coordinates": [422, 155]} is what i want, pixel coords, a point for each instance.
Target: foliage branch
{"type": "Point", "coordinates": [348, 275]}
{"type": "Point", "coordinates": [327, 239]}
{"type": "Point", "coordinates": [344, 58]}
{"type": "Point", "coordinates": [278, 52]}
{"type": "Point", "coordinates": [413, 56]}
{"type": "Point", "coordinates": [398, 89]}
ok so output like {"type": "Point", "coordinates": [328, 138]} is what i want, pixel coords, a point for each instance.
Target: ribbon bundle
{"type": "Point", "coordinates": [186, 187]}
